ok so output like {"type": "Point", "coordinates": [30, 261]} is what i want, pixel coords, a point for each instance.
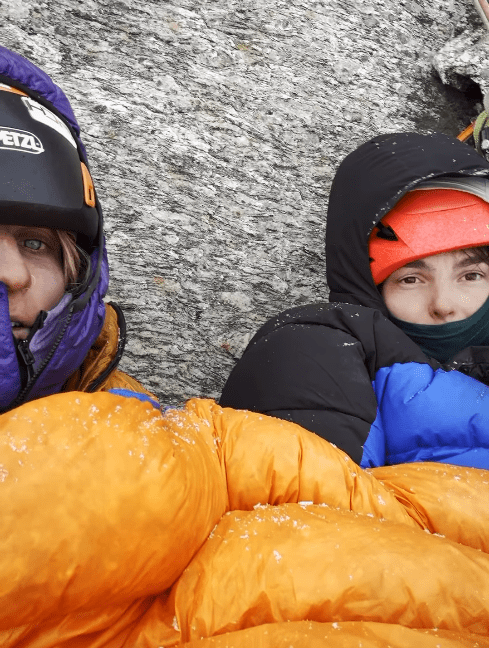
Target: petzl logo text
{"type": "Point", "coordinates": [13, 139]}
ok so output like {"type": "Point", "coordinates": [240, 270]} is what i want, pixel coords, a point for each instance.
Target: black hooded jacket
{"type": "Point", "coordinates": [316, 364]}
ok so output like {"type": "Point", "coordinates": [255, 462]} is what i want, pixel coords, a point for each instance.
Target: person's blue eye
{"type": "Point", "coordinates": [33, 244]}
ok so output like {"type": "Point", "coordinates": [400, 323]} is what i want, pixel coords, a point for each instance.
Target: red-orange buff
{"type": "Point", "coordinates": [121, 526]}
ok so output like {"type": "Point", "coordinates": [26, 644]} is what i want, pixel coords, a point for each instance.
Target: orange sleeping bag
{"type": "Point", "coordinates": [121, 526]}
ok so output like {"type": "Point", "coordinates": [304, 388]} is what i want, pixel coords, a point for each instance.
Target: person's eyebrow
{"type": "Point", "coordinates": [419, 263]}
{"type": "Point", "coordinates": [468, 261]}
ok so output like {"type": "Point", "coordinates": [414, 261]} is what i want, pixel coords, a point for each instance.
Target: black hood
{"type": "Point", "coordinates": [368, 183]}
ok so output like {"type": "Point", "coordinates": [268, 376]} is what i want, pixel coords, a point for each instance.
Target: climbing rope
{"type": "Point", "coordinates": [479, 128]}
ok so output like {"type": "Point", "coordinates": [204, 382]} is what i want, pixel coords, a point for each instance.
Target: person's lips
{"type": "Point", "coordinates": [20, 330]}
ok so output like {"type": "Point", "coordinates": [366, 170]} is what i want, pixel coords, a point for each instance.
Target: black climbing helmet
{"type": "Point", "coordinates": [44, 180]}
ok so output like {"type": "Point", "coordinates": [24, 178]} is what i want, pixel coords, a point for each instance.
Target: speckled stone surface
{"type": "Point", "coordinates": [465, 59]}
{"type": "Point", "coordinates": [214, 128]}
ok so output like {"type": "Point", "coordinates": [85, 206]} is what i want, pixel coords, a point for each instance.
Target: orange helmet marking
{"type": "Point", "coordinates": [88, 188]}
{"type": "Point", "coordinates": [7, 88]}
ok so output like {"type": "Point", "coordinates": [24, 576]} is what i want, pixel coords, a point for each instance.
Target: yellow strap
{"type": "Point", "coordinates": [479, 124]}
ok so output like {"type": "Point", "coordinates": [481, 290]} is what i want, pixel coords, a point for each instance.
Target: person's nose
{"type": "Point", "coordinates": [443, 307]}
{"type": "Point", "coordinates": [13, 270]}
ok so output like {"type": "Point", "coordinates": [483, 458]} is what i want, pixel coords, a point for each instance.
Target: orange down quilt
{"type": "Point", "coordinates": [213, 528]}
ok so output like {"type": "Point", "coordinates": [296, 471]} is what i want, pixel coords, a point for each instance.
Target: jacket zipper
{"type": "Point", "coordinates": [24, 349]}
{"type": "Point", "coordinates": [28, 358]}
{"type": "Point", "coordinates": [26, 355]}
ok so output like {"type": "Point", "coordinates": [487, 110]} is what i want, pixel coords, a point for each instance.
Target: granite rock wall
{"type": "Point", "coordinates": [214, 128]}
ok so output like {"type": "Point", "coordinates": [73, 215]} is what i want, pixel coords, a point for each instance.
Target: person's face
{"type": "Point", "coordinates": [437, 289]}
{"type": "Point", "coordinates": [31, 268]}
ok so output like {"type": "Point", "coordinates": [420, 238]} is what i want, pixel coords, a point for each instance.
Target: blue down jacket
{"type": "Point", "coordinates": [342, 369]}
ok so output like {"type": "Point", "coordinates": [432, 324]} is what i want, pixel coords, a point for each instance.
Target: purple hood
{"type": "Point", "coordinates": [81, 328]}
{"type": "Point", "coordinates": [18, 68]}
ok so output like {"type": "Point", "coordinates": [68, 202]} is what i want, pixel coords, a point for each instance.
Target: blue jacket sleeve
{"type": "Point", "coordinates": [428, 415]}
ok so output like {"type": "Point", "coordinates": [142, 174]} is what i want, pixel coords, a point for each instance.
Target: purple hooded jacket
{"type": "Point", "coordinates": [75, 331]}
